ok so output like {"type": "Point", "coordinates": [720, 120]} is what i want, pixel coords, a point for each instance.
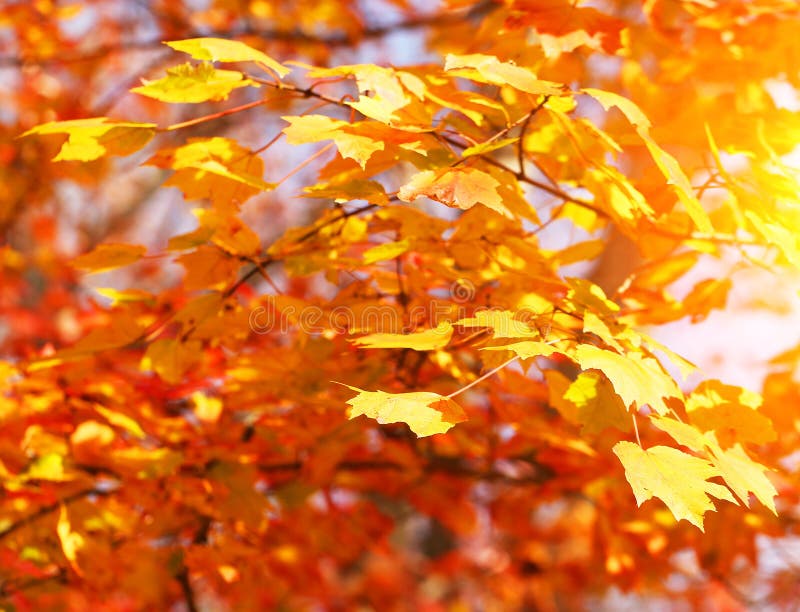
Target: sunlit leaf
{"type": "Point", "coordinates": [314, 128]}
{"type": "Point", "coordinates": [194, 84]}
{"type": "Point", "coordinates": [215, 168]}
{"type": "Point", "coordinates": [461, 187]}
{"type": "Point", "coordinates": [424, 412]}
{"type": "Point", "coordinates": [224, 50]}
{"type": "Point", "coordinates": [90, 139]}
{"type": "Point", "coordinates": [488, 69]}
{"type": "Point", "coordinates": [428, 340]}
{"type": "Point", "coordinates": [680, 480]}
{"type": "Point", "coordinates": [636, 379]}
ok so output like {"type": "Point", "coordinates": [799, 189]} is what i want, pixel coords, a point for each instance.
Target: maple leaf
{"type": "Point", "coordinates": [109, 256]}
{"type": "Point", "coordinates": [90, 139]}
{"type": "Point", "coordinates": [313, 128]}
{"type": "Point", "coordinates": [678, 479]}
{"type": "Point", "coordinates": [488, 69]}
{"type": "Point", "coordinates": [668, 165]}
{"type": "Point", "coordinates": [526, 349]}
{"type": "Point", "coordinates": [636, 379]}
{"type": "Point", "coordinates": [194, 84]}
{"type": "Point", "coordinates": [216, 168]}
{"type": "Point", "coordinates": [457, 187]}
{"type": "Point", "coordinates": [424, 412]}
{"type": "Point", "coordinates": [387, 250]}
{"type": "Point", "coordinates": [207, 267]}
{"type": "Point", "coordinates": [427, 340]}
{"type": "Point", "coordinates": [730, 411]}
{"type": "Point", "coordinates": [743, 475]}
{"type": "Point", "coordinates": [598, 406]}
{"type": "Point", "coordinates": [224, 50]}
{"type": "Point", "coordinates": [501, 322]}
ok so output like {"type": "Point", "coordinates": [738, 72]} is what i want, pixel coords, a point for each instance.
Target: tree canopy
{"type": "Point", "coordinates": [342, 305]}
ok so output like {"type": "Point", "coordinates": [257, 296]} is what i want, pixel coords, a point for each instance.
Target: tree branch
{"type": "Point", "coordinates": [45, 510]}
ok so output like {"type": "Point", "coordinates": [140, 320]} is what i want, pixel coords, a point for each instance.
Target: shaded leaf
{"type": "Point", "coordinates": [109, 256]}
{"type": "Point", "coordinates": [636, 379]}
{"type": "Point", "coordinates": [387, 250]}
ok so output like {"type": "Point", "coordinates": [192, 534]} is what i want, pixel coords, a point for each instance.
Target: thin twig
{"type": "Point", "coordinates": [481, 378]}
{"type": "Point", "coordinates": [522, 130]}
{"type": "Point", "coordinates": [48, 509]}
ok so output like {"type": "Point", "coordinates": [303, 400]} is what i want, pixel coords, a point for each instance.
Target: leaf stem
{"type": "Point", "coordinates": [482, 378]}
{"type": "Point", "coordinates": [636, 429]}
{"type": "Point", "coordinates": [322, 151]}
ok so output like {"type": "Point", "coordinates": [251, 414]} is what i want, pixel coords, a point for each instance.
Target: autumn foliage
{"type": "Point", "coordinates": [352, 306]}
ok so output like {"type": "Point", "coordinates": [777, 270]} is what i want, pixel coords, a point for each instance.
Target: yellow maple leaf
{"type": "Point", "coordinates": [598, 407]}
{"type": "Point", "coordinates": [223, 50]}
{"type": "Point", "coordinates": [489, 69]}
{"type": "Point", "coordinates": [170, 358]}
{"type": "Point", "coordinates": [428, 340]}
{"type": "Point", "coordinates": [678, 479]}
{"type": "Point", "coordinates": [194, 84]}
{"type": "Point", "coordinates": [424, 412]}
{"type": "Point", "coordinates": [314, 128]}
{"type": "Point", "coordinates": [526, 349]}
{"type": "Point", "coordinates": [90, 139]}
{"type": "Point", "coordinates": [730, 411]}
{"type": "Point", "coordinates": [668, 165]}
{"type": "Point", "coordinates": [635, 378]}
{"type": "Point", "coordinates": [215, 168]}
{"type": "Point", "coordinates": [501, 322]}
{"type": "Point", "coordinates": [387, 250]}
{"type": "Point", "coordinates": [461, 187]}
{"type": "Point", "coordinates": [743, 475]}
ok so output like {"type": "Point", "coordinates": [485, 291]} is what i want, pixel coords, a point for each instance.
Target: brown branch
{"type": "Point", "coordinates": [186, 588]}
{"type": "Point", "coordinates": [8, 588]}
{"type": "Point", "coordinates": [45, 510]}
{"type": "Point", "coordinates": [434, 464]}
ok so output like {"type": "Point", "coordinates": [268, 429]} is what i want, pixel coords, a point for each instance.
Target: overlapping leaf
{"type": "Point", "coordinates": [90, 139]}
{"type": "Point", "coordinates": [194, 84]}
{"type": "Point", "coordinates": [424, 412]}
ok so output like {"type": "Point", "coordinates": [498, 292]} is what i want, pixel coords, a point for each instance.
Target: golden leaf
{"type": "Point", "coordinates": [109, 256]}
{"type": "Point", "coordinates": [424, 412]}
{"type": "Point", "coordinates": [90, 139]}
{"type": "Point", "coordinates": [224, 50]}
{"type": "Point", "coordinates": [428, 340]}
{"type": "Point", "coordinates": [461, 187]}
{"type": "Point", "coordinates": [678, 479]}
{"type": "Point", "coordinates": [194, 84]}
